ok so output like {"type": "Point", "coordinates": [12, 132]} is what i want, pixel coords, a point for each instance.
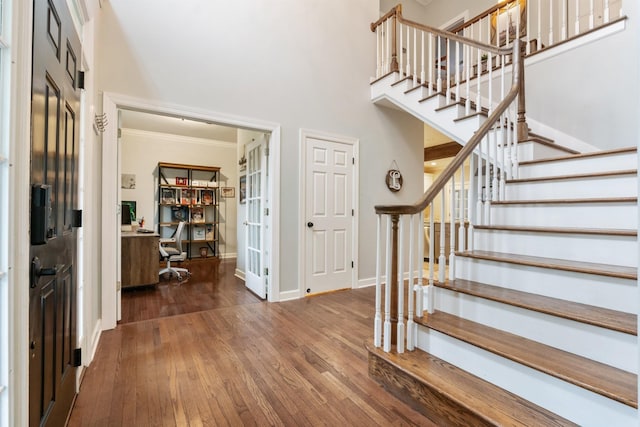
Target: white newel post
{"type": "Point", "coordinates": [411, 284]}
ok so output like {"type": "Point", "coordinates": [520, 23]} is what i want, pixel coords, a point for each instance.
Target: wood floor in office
{"type": "Point", "coordinates": [294, 363]}
{"type": "Point", "coordinates": [212, 284]}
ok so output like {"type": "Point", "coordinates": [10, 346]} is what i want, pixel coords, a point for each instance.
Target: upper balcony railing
{"type": "Point", "coordinates": [540, 24]}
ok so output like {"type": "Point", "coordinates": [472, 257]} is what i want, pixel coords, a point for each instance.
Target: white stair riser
{"type": "Point", "coordinates": [605, 346]}
{"type": "Point", "coordinates": [534, 151]}
{"type": "Point", "coordinates": [622, 215]}
{"type": "Point", "coordinates": [592, 289]}
{"type": "Point", "coordinates": [574, 403]}
{"type": "Point", "coordinates": [614, 250]}
{"type": "Point", "coordinates": [605, 163]}
{"type": "Point", "coordinates": [607, 186]}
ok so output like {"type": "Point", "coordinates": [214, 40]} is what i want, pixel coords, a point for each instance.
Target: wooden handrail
{"type": "Point", "coordinates": [482, 15]}
{"type": "Point", "coordinates": [467, 150]}
{"type": "Point", "coordinates": [397, 12]}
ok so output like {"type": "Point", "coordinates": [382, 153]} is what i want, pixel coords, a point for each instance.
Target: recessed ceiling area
{"type": "Point", "coordinates": [436, 141]}
{"type": "Point", "coordinates": [152, 122]}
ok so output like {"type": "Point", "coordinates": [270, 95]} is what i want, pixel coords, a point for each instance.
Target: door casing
{"type": "Point", "coordinates": [306, 134]}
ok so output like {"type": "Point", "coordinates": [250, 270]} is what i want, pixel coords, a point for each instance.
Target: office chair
{"type": "Point", "coordinates": [171, 250]}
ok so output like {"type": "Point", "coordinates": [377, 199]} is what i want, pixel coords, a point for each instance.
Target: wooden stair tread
{"type": "Point", "coordinates": [597, 377]}
{"type": "Point", "coordinates": [562, 230]}
{"type": "Point", "coordinates": [574, 176]}
{"type": "Point", "coordinates": [493, 404]}
{"type": "Point", "coordinates": [568, 201]}
{"type": "Point", "coordinates": [592, 315]}
{"type": "Point", "coordinates": [581, 156]}
{"type": "Point", "coordinates": [623, 272]}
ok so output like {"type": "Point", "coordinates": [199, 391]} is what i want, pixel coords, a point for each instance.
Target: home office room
{"type": "Point", "coordinates": [181, 205]}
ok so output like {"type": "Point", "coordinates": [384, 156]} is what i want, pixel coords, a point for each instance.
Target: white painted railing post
{"type": "Point", "coordinates": [470, 207]}
{"type": "Point", "coordinates": [550, 23]}
{"type": "Point", "coordinates": [452, 229]}
{"type": "Point", "coordinates": [419, 285]}
{"type": "Point", "coordinates": [400, 51]}
{"type": "Point", "coordinates": [422, 70]}
{"type": "Point", "coordinates": [400, 276]}
{"type": "Point", "coordinates": [442, 260]}
{"type": "Point", "coordinates": [565, 21]}
{"type": "Point", "coordinates": [377, 320]}
{"type": "Point", "coordinates": [591, 15]}
{"type": "Point", "coordinates": [411, 284]}
{"type": "Point", "coordinates": [577, 23]}
{"type": "Point", "coordinates": [415, 57]}
{"type": "Point", "coordinates": [606, 16]}
{"type": "Point", "coordinates": [387, 292]}
{"type": "Point", "coordinates": [461, 215]}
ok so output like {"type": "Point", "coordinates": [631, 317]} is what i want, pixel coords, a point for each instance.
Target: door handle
{"type": "Point", "coordinates": [37, 270]}
{"type": "Point", "coordinates": [309, 224]}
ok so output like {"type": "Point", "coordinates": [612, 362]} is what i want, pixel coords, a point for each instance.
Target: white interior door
{"type": "Point", "coordinates": [255, 199]}
{"type": "Point", "coordinates": [329, 215]}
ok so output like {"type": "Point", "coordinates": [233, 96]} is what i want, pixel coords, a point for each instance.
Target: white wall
{"type": "Point", "coordinates": [300, 64]}
{"type": "Point", "coordinates": [142, 150]}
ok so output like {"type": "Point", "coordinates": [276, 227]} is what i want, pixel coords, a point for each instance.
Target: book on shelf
{"type": "Point", "coordinates": [179, 213]}
{"type": "Point", "coordinates": [209, 232]}
{"type": "Point", "coordinates": [168, 196]}
{"type": "Point", "coordinates": [207, 197]}
{"type": "Point", "coordinates": [198, 232]}
{"type": "Point", "coordinates": [187, 197]}
{"type": "Point", "coordinates": [197, 214]}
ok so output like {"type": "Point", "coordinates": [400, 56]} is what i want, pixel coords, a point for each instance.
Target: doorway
{"type": "Point", "coordinates": [111, 225]}
{"type": "Point", "coordinates": [328, 185]}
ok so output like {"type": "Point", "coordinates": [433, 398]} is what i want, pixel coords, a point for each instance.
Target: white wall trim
{"type": "Point", "coordinates": [302, 252]}
{"type": "Point", "coordinates": [111, 103]}
{"type": "Point", "coordinates": [240, 274]}
{"type": "Point", "coordinates": [19, 147]}
{"type": "Point", "coordinates": [160, 136]}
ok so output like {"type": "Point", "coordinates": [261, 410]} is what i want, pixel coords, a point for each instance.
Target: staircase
{"type": "Point", "coordinates": [536, 323]}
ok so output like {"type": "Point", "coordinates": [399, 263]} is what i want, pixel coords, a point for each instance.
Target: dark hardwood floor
{"type": "Point", "coordinates": [235, 360]}
{"type": "Point", "coordinates": [212, 284]}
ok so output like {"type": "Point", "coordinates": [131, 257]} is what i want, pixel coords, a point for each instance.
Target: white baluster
{"type": "Point", "coordinates": [461, 216]}
{"type": "Point", "coordinates": [408, 50]}
{"type": "Point", "coordinates": [479, 195]}
{"type": "Point", "coordinates": [401, 252]}
{"type": "Point", "coordinates": [442, 260]}
{"type": "Point", "coordinates": [411, 285]}
{"type": "Point", "coordinates": [378, 66]}
{"type": "Point", "coordinates": [400, 52]}
{"type": "Point", "coordinates": [577, 24]}
{"type": "Point", "coordinates": [472, 220]}
{"type": "Point", "coordinates": [539, 43]}
{"type": "Point", "coordinates": [550, 23]}
{"type": "Point", "coordinates": [419, 287]}
{"type": "Point", "coordinates": [467, 62]}
{"type": "Point", "coordinates": [431, 258]}
{"type": "Point", "coordinates": [415, 56]}
{"type": "Point", "coordinates": [452, 228]}
{"type": "Point", "coordinates": [439, 64]}
{"type": "Point", "coordinates": [514, 151]}
{"type": "Point", "coordinates": [377, 320]}
{"type": "Point", "coordinates": [565, 21]}
{"type": "Point", "coordinates": [446, 70]}
{"type": "Point", "coordinates": [528, 17]}
{"type": "Point", "coordinates": [490, 80]}
{"type": "Point", "coordinates": [457, 70]}
{"type": "Point", "coordinates": [478, 79]}
{"type": "Point", "coordinates": [432, 249]}
{"type": "Point", "coordinates": [387, 292]}
{"type": "Point", "coordinates": [422, 71]}
{"type": "Point", "coordinates": [487, 180]}
{"type": "Point", "coordinates": [607, 13]}
{"type": "Point", "coordinates": [430, 59]}
{"type": "Point", "coordinates": [591, 15]}
{"type": "Point", "coordinates": [387, 54]}
{"type": "Point", "coordinates": [501, 153]}
{"type": "Point", "coordinates": [494, 159]}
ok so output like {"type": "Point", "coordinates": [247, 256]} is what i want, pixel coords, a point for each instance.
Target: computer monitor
{"type": "Point", "coordinates": [128, 212]}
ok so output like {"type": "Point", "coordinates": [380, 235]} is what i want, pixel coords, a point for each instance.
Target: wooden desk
{"type": "Point", "coordinates": [139, 259]}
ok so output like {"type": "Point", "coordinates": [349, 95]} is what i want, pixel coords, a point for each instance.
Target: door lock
{"type": "Point", "coordinates": [309, 224]}
{"type": "Point", "coordinates": [37, 270]}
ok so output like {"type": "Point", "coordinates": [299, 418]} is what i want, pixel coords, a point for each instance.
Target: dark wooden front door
{"type": "Point", "coordinates": [55, 102]}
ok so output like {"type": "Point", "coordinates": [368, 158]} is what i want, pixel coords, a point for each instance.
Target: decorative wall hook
{"type": "Point", "coordinates": [394, 177]}
{"type": "Point", "coordinates": [100, 122]}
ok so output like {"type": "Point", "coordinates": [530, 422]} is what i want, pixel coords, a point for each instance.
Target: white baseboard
{"type": "Point", "coordinates": [228, 255]}
{"type": "Point", "coordinates": [365, 283]}
{"type": "Point", "coordinates": [289, 295]}
{"type": "Point", "coordinates": [239, 274]}
{"type": "Point", "coordinates": [93, 344]}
